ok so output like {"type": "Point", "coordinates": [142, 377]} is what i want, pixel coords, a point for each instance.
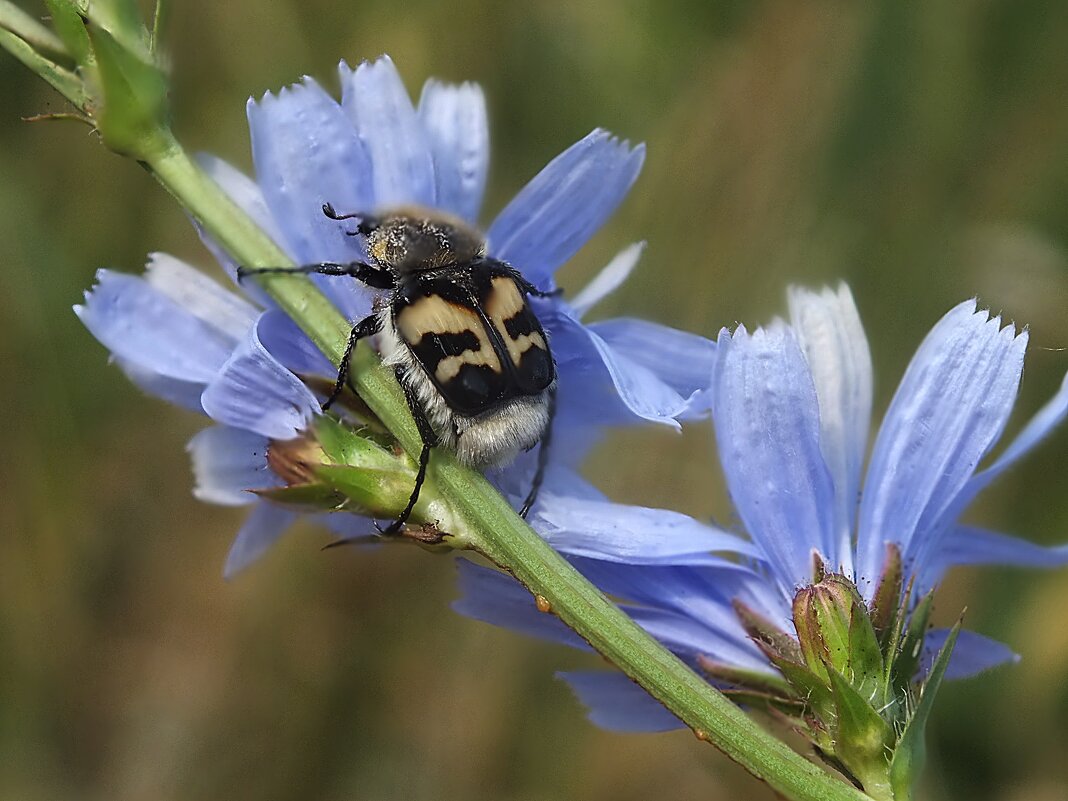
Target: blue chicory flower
{"type": "Point", "coordinates": [791, 406]}
{"type": "Point", "coordinates": [240, 360]}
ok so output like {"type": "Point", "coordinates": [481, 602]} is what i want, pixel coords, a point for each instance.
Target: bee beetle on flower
{"type": "Point", "coordinates": [466, 347]}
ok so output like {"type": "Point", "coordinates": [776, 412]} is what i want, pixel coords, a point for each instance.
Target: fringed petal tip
{"type": "Point", "coordinates": [558, 211]}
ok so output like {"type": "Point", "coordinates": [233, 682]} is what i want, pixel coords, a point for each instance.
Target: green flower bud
{"type": "Point", "coordinates": [333, 468]}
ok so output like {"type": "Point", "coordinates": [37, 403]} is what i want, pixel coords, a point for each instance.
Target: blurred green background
{"type": "Point", "coordinates": [917, 150]}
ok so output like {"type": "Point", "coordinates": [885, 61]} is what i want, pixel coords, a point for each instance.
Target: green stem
{"type": "Point", "coordinates": [25, 27]}
{"type": "Point", "coordinates": [490, 525]}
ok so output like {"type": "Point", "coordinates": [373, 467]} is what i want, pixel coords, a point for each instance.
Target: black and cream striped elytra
{"type": "Point", "coordinates": [467, 348]}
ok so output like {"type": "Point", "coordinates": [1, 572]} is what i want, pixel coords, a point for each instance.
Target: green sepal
{"type": "Point", "coordinates": [911, 750]}
{"type": "Point", "coordinates": [866, 666]}
{"type": "Point", "coordinates": [886, 605]}
{"type": "Point", "coordinates": [790, 708]}
{"type": "Point", "coordinates": [69, 24]}
{"type": "Point", "coordinates": [862, 738]}
{"type": "Point", "coordinates": [807, 685]}
{"type": "Point", "coordinates": [344, 446]}
{"type": "Point", "coordinates": [753, 680]}
{"type": "Point", "coordinates": [906, 662]}
{"type": "Point", "coordinates": [809, 638]}
{"type": "Point", "coordinates": [321, 497]}
{"type": "Point", "coordinates": [767, 635]}
{"type": "Point", "coordinates": [834, 604]}
{"type": "Point", "coordinates": [133, 116]}
{"type": "Point", "coordinates": [380, 493]}
{"type": "Point", "coordinates": [122, 20]}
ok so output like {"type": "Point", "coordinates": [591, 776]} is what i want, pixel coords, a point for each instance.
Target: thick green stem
{"type": "Point", "coordinates": [490, 525]}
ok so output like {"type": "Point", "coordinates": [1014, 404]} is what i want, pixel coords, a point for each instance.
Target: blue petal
{"type": "Point", "coordinates": [608, 280]}
{"type": "Point", "coordinates": [495, 598]}
{"type": "Point", "coordinates": [255, 392]}
{"type": "Point", "coordinates": [564, 205]}
{"type": "Point", "coordinates": [949, 410]}
{"type": "Point", "coordinates": [351, 528]}
{"type": "Point", "coordinates": [965, 545]}
{"type": "Point", "coordinates": [702, 595]}
{"type": "Point", "coordinates": [973, 654]}
{"type": "Point", "coordinates": [457, 129]}
{"type": "Point", "coordinates": [261, 530]}
{"type": "Point", "coordinates": [173, 390]}
{"type": "Point", "coordinates": [829, 331]}
{"type": "Point", "coordinates": [616, 703]}
{"type": "Point", "coordinates": [689, 638]}
{"type": "Point", "coordinates": [604, 386]}
{"type": "Point", "coordinates": [246, 193]}
{"type": "Point", "coordinates": [767, 425]}
{"type": "Point", "coordinates": [291, 346]}
{"type": "Point", "coordinates": [196, 293]}
{"type": "Point", "coordinates": [1048, 418]}
{"type": "Point", "coordinates": [561, 476]}
{"type": "Point", "coordinates": [681, 360]}
{"type": "Point", "coordinates": [377, 104]}
{"type": "Point", "coordinates": [307, 154]}
{"type": "Point", "coordinates": [145, 328]}
{"type": "Point", "coordinates": [228, 463]}
{"type": "Point", "coordinates": [631, 534]}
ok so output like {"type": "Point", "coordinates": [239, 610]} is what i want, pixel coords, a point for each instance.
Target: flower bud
{"type": "Point", "coordinates": [332, 468]}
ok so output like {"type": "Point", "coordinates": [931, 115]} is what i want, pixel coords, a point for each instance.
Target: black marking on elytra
{"type": "Point", "coordinates": [523, 322]}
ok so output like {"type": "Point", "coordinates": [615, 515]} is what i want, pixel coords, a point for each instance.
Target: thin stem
{"type": "Point", "coordinates": [159, 24]}
{"type": "Point", "coordinates": [61, 79]}
{"type": "Point", "coordinates": [24, 26]}
{"type": "Point", "coordinates": [489, 524]}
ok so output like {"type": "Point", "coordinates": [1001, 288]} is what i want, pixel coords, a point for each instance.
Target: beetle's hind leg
{"type": "Point", "coordinates": [543, 458]}
{"type": "Point", "coordinates": [430, 439]}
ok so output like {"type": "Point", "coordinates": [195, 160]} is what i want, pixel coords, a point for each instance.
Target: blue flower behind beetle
{"type": "Point", "coordinates": [241, 361]}
{"type": "Point", "coordinates": [791, 405]}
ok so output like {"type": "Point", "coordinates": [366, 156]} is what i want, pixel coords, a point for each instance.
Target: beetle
{"type": "Point", "coordinates": [455, 324]}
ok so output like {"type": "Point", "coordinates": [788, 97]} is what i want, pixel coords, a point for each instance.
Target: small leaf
{"type": "Point", "coordinates": [910, 753]}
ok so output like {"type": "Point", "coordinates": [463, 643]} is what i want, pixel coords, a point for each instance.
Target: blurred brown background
{"type": "Point", "coordinates": [919, 151]}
